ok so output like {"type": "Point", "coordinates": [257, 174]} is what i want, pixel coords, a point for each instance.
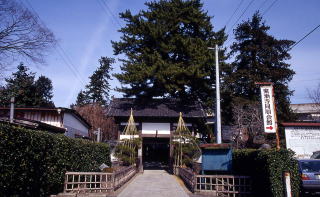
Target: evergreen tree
{"type": "Point", "coordinates": [166, 49]}
{"type": "Point", "coordinates": [99, 87]}
{"type": "Point", "coordinates": [260, 57]}
{"type": "Point", "coordinates": [97, 91]}
{"type": "Point", "coordinates": [43, 91]}
{"type": "Point", "coordinates": [82, 99]}
{"type": "Point", "coordinates": [27, 91]}
{"type": "Point", "coordinates": [20, 86]}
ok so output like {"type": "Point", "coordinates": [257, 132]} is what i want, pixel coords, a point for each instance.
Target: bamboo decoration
{"type": "Point", "coordinates": [131, 131]}
{"type": "Point", "coordinates": [182, 136]}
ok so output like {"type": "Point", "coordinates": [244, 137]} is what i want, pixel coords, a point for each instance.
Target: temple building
{"type": "Point", "coordinates": [156, 120]}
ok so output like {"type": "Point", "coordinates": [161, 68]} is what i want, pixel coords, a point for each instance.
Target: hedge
{"type": "Point", "coordinates": [266, 168]}
{"type": "Point", "coordinates": [33, 163]}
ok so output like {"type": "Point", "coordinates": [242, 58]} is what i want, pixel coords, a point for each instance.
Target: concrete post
{"type": "Point", "coordinates": [218, 111]}
{"type": "Point", "coordinates": [286, 176]}
{"type": "Point", "coordinates": [11, 109]}
{"type": "Point", "coordinates": [140, 160]}
{"type": "Point", "coordinates": [99, 135]}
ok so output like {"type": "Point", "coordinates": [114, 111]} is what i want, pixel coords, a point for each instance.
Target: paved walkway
{"type": "Point", "coordinates": [155, 183]}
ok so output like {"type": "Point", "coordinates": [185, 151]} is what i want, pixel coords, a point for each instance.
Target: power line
{"type": "Point", "coordinates": [299, 80]}
{"type": "Point", "coordinates": [304, 37]}
{"type": "Point", "coordinates": [269, 7]}
{"type": "Point", "coordinates": [262, 4]}
{"type": "Point", "coordinates": [106, 8]}
{"type": "Point", "coordinates": [103, 8]}
{"type": "Point", "coordinates": [65, 58]}
{"type": "Point", "coordinates": [244, 11]}
{"type": "Point", "coordinates": [234, 12]}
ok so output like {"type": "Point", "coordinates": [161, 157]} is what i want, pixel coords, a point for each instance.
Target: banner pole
{"type": "Point", "coordinates": [276, 120]}
{"type": "Point", "coordinates": [276, 130]}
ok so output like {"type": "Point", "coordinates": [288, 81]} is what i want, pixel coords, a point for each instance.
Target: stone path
{"type": "Point", "coordinates": [154, 183]}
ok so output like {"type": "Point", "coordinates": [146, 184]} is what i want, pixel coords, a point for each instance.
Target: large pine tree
{"type": "Point", "coordinates": [166, 49]}
{"type": "Point", "coordinates": [260, 57]}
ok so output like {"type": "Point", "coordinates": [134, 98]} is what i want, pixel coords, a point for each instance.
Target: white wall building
{"type": "Point", "coordinates": [69, 120]}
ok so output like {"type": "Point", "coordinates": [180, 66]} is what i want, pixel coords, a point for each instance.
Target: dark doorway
{"type": "Point", "coordinates": [155, 151]}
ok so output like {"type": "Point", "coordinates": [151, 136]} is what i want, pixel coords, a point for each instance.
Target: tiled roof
{"type": "Point", "coordinates": [72, 111]}
{"type": "Point", "coordinates": [120, 107]}
{"type": "Point", "coordinates": [305, 108]}
{"type": "Point", "coordinates": [33, 124]}
{"type": "Point", "coordinates": [301, 124]}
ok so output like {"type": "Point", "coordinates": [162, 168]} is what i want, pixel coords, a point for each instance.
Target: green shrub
{"type": "Point", "coordinates": [189, 152]}
{"type": "Point", "coordinates": [127, 151]}
{"type": "Point", "coordinates": [33, 163]}
{"type": "Point", "coordinates": [266, 168]}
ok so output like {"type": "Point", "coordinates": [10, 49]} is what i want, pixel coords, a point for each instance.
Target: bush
{"type": "Point", "coordinates": [189, 153]}
{"type": "Point", "coordinates": [33, 163]}
{"type": "Point", "coordinates": [266, 168]}
{"type": "Point", "coordinates": [127, 151]}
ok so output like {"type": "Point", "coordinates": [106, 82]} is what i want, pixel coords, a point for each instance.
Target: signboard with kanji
{"type": "Point", "coordinates": [268, 108]}
{"type": "Point", "coordinates": [303, 140]}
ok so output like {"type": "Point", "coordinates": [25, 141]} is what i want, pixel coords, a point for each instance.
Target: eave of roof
{"type": "Point", "coordinates": [62, 109]}
{"type": "Point", "coordinates": [170, 108]}
{"type": "Point", "coordinates": [215, 146]}
{"type": "Point", "coordinates": [300, 124]}
{"type": "Point", "coordinates": [35, 125]}
{"type": "Point", "coordinates": [31, 108]}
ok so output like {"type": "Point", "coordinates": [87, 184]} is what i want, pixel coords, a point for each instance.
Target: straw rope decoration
{"type": "Point", "coordinates": [131, 131]}
{"type": "Point", "coordinates": [182, 135]}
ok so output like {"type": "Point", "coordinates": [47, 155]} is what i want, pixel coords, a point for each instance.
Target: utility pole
{"type": "Point", "coordinates": [218, 111]}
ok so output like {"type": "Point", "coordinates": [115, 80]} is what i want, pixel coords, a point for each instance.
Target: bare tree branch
{"type": "Point", "coordinates": [314, 95]}
{"type": "Point", "coordinates": [95, 115]}
{"type": "Point", "coordinates": [248, 121]}
{"type": "Point", "coordinates": [22, 35]}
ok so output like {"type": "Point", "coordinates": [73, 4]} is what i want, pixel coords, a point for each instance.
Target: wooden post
{"type": "Point", "coordinates": [275, 112]}
{"type": "Point", "coordinates": [276, 120]}
{"type": "Point", "coordinates": [194, 182]}
{"type": "Point", "coordinates": [171, 156]}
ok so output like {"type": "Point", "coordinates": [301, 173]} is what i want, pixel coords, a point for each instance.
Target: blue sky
{"type": "Point", "coordinates": [85, 29]}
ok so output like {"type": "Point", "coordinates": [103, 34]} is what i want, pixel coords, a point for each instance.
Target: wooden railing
{"type": "Point", "coordinates": [188, 177]}
{"type": "Point", "coordinates": [224, 185]}
{"type": "Point", "coordinates": [218, 185]}
{"type": "Point", "coordinates": [97, 182]}
{"type": "Point", "coordinates": [84, 182]}
{"type": "Point", "coordinates": [122, 176]}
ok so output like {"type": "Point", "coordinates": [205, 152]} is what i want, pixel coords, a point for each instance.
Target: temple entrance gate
{"type": "Point", "coordinates": [156, 150]}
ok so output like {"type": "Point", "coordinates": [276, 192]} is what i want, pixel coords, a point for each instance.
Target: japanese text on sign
{"type": "Point", "coordinates": [268, 109]}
